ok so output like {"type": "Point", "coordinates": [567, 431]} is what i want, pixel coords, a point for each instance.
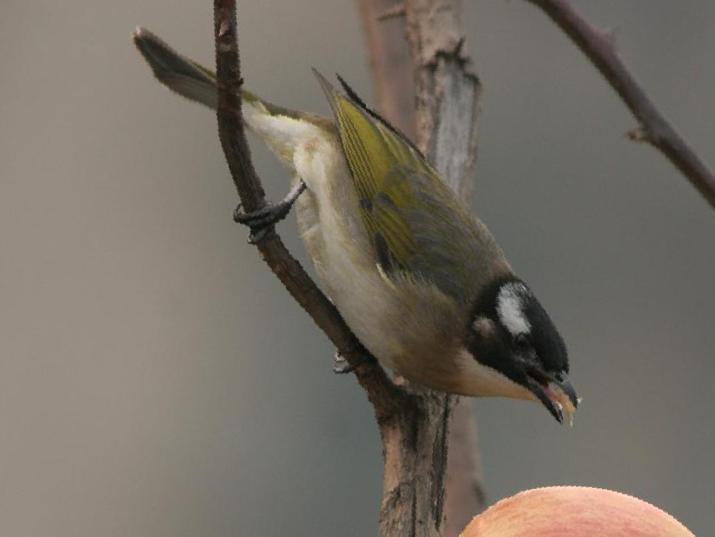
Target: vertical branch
{"type": "Point", "coordinates": [448, 95]}
{"type": "Point", "coordinates": [447, 90]}
{"type": "Point", "coordinates": [390, 62]}
{"type": "Point", "coordinates": [464, 490]}
{"type": "Point", "coordinates": [447, 105]}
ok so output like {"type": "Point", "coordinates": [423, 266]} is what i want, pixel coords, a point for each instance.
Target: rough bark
{"type": "Point", "coordinates": [464, 492]}
{"type": "Point", "coordinates": [654, 128]}
{"type": "Point", "coordinates": [446, 96]}
{"type": "Point", "coordinates": [393, 77]}
{"type": "Point", "coordinates": [447, 90]}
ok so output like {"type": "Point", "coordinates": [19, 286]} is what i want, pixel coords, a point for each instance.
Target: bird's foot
{"type": "Point", "coordinates": [261, 221]}
{"type": "Point", "coordinates": [342, 367]}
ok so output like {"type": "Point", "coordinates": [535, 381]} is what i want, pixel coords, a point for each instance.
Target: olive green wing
{"type": "Point", "coordinates": [420, 230]}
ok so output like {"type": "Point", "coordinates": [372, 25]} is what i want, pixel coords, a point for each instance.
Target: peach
{"type": "Point", "coordinates": [574, 512]}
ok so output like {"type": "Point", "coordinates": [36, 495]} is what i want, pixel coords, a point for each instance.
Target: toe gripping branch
{"type": "Point", "coordinates": [342, 367]}
{"type": "Point", "coordinates": [260, 222]}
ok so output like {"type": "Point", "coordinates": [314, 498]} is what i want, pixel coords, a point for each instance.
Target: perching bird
{"type": "Point", "coordinates": [420, 280]}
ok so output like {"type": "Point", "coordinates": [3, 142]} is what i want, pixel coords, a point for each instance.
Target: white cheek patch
{"type": "Point", "coordinates": [510, 308]}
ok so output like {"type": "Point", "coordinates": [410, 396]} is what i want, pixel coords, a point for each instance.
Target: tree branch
{"type": "Point", "coordinates": [432, 69]}
{"type": "Point", "coordinates": [464, 494]}
{"type": "Point", "coordinates": [393, 69]}
{"type": "Point", "coordinates": [385, 397]}
{"type": "Point", "coordinates": [413, 422]}
{"type": "Point", "coordinates": [447, 90]}
{"type": "Point", "coordinates": [390, 62]}
{"type": "Point", "coordinates": [654, 128]}
{"type": "Point", "coordinates": [394, 79]}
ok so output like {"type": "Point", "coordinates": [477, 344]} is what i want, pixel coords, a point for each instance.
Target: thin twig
{"type": "Point", "coordinates": [598, 46]}
{"type": "Point", "coordinates": [383, 394]}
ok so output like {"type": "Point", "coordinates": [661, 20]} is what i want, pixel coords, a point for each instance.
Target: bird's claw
{"type": "Point", "coordinates": [341, 366]}
{"type": "Point", "coordinates": [262, 220]}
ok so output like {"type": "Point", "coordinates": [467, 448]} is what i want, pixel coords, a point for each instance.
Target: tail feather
{"type": "Point", "coordinates": [282, 129]}
{"type": "Point", "coordinates": [178, 73]}
{"type": "Point", "coordinates": [190, 79]}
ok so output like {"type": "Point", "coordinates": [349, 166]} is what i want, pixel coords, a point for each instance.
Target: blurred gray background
{"type": "Point", "coordinates": [156, 380]}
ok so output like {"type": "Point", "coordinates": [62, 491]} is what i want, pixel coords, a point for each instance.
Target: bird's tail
{"type": "Point", "coordinates": [279, 127]}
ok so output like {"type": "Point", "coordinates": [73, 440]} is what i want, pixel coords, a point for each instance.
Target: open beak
{"type": "Point", "coordinates": [557, 395]}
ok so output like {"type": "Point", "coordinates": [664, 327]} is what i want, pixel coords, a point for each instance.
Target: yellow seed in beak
{"type": "Point", "coordinates": [563, 401]}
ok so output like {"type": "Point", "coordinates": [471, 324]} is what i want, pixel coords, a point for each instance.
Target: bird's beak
{"type": "Point", "coordinates": [557, 395]}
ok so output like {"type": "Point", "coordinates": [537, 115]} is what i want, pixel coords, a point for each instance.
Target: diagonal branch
{"type": "Point", "coordinates": [385, 397]}
{"type": "Point", "coordinates": [654, 128]}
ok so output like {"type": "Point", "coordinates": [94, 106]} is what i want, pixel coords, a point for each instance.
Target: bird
{"type": "Point", "coordinates": [418, 278]}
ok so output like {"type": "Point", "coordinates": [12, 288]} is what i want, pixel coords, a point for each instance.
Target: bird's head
{"type": "Point", "coordinates": [511, 334]}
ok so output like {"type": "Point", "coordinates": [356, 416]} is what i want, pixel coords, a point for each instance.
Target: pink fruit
{"type": "Point", "coordinates": [574, 512]}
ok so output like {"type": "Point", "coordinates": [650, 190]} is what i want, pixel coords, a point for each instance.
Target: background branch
{"type": "Point", "coordinates": [598, 46]}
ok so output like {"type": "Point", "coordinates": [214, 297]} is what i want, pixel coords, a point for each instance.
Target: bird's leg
{"type": "Point", "coordinates": [342, 367]}
{"type": "Point", "coordinates": [263, 219]}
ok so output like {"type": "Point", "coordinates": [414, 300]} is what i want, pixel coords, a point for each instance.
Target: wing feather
{"type": "Point", "coordinates": [420, 230]}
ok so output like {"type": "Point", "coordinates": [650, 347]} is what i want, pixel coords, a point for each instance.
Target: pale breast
{"type": "Point", "coordinates": [409, 326]}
